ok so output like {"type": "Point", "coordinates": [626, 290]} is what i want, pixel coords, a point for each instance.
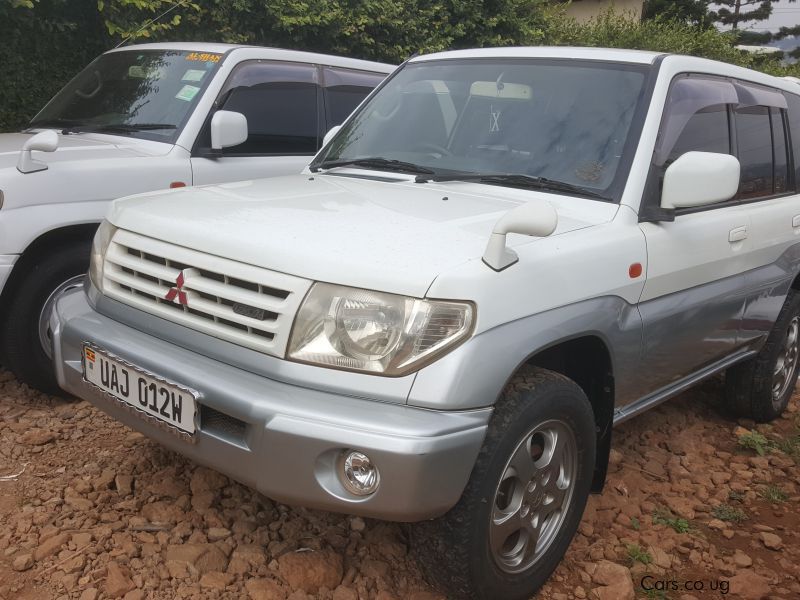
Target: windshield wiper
{"type": "Point", "coordinates": [516, 180]}
{"type": "Point", "coordinates": [118, 128]}
{"type": "Point", "coordinates": [377, 162]}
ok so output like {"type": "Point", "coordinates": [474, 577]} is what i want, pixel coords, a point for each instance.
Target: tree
{"type": "Point", "coordinates": [685, 11]}
{"type": "Point", "coordinates": [734, 12]}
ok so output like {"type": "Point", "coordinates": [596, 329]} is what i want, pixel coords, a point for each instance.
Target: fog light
{"type": "Point", "coordinates": [361, 477]}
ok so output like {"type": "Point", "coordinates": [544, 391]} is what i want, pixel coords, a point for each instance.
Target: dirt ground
{"type": "Point", "coordinates": [696, 506]}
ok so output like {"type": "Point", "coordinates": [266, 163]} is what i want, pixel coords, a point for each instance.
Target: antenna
{"type": "Point", "coordinates": [150, 22]}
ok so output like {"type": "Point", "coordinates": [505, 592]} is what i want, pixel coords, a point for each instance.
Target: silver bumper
{"type": "Point", "coordinates": [282, 439]}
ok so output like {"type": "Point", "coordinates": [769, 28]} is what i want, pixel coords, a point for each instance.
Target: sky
{"type": "Point", "coordinates": [784, 14]}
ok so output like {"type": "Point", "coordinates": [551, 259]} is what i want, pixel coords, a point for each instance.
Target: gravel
{"type": "Point", "coordinates": [90, 509]}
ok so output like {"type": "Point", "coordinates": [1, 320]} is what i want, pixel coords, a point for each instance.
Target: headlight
{"type": "Point", "coordinates": [99, 246]}
{"type": "Point", "coordinates": [360, 330]}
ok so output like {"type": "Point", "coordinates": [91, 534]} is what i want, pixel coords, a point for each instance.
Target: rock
{"type": "Point", "coordinates": [124, 484]}
{"type": "Point", "coordinates": [216, 580]}
{"type": "Point", "coordinates": [246, 558]}
{"type": "Point", "coordinates": [215, 534]}
{"type": "Point", "coordinates": [37, 437]}
{"type": "Point", "coordinates": [607, 572]}
{"type": "Point", "coordinates": [622, 590]}
{"type": "Point", "coordinates": [264, 589]}
{"type": "Point", "coordinates": [134, 595]}
{"type": "Point", "coordinates": [770, 540]}
{"type": "Point", "coordinates": [357, 524]}
{"type": "Point", "coordinates": [660, 558]}
{"type": "Point", "coordinates": [310, 571]}
{"type": "Point", "coordinates": [681, 506]}
{"type": "Point", "coordinates": [118, 581]}
{"type": "Point", "coordinates": [89, 594]}
{"type": "Point", "coordinates": [750, 586]}
{"type": "Point", "coordinates": [197, 558]}
{"type": "Point", "coordinates": [162, 512]}
{"type": "Point", "coordinates": [741, 559]}
{"type": "Point", "coordinates": [23, 562]}
{"type": "Point", "coordinates": [207, 480]}
{"type": "Point", "coordinates": [344, 593]}
{"type": "Point", "coordinates": [50, 546]}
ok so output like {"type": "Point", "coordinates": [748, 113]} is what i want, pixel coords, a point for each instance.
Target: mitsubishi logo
{"type": "Point", "coordinates": [176, 294]}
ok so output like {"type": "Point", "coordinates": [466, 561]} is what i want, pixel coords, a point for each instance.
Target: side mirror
{"type": "Point", "coordinates": [699, 179]}
{"type": "Point", "coordinates": [537, 218]}
{"type": "Point", "coordinates": [227, 129]}
{"type": "Point", "coordinates": [46, 141]}
{"type": "Point", "coordinates": [329, 136]}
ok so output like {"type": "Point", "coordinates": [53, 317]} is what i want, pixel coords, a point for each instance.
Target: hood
{"type": "Point", "coordinates": [81, 146]}
{"type": "Point", "coordinates": [389, 235]}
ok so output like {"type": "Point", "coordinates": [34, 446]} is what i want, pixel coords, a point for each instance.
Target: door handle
{"type": "Point", "coordinates": [738, 234]}
{"type": "Point", "coordinates": [796, 221]}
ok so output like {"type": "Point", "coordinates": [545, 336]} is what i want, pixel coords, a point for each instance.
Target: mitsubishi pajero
{"type": "Point", "coordinates": [499, 256]}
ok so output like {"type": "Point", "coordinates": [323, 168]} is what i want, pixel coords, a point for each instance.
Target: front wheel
{"type": "Point", "coordinates": [26, 336]}
{"type": "Point", "coordinates": [525, 497]}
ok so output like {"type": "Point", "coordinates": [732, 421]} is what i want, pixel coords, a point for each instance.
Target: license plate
{"type": "Point", "coordinates": [167, 402]}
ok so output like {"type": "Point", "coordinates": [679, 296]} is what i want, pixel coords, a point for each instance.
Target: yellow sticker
{"type": "Point", "coordinates": [89, 354]}
{"type": "Point", "coordinates": [203, 57]}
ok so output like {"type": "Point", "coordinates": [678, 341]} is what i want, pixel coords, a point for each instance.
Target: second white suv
{"type": "Point", "coordinates": [500, 255]}
{"type": "Point", "coordinates": [144, 118]}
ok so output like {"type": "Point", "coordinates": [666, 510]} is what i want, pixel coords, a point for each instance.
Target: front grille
{"type": "Point", "coordinates": [240, 303]}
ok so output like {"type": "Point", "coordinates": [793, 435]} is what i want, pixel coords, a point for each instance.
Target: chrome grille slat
{"type": "Point", "coordinates": [142, 271]}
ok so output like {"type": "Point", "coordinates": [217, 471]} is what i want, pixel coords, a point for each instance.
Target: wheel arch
{"type": "Point", "coordinates": [587, 360]}
{"type": "Point", "coordinates": [46, 243]}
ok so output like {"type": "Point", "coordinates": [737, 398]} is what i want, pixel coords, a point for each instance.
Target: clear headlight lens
{"type": "Point", "coordinates": [99, 246]}
{"type": "Point", "coordinates": [361, 330]}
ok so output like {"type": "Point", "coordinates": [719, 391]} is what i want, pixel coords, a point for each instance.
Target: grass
{"type": "Point", "coordinates": [735, 496]}
{"type": "Point", "coordinates": [755, 441]}
{"type": "Point", "coordinates": [789, 446]}
{"type": "Point", "coordinates": [773, 493]}
{"type": "Point", "coordinates": [726, 512]}
{"type": "Point", "coordinates": [636, 554]}
{"type": "Point", "coordinates": [635, 524]}
{"type": "Point", "coordinates": [678, 524]}
{"type": "Point", "coordinates": [654, 594]}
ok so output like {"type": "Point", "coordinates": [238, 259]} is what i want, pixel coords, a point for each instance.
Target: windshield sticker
{"type": "Point", "coordinates": [187, 93]}
{"type": "Point", "coordinates": [494, 120]}
{"type": "Point", "coordinates": [203, 57]}
{"type": "Point", "coordinates": [193, 75]}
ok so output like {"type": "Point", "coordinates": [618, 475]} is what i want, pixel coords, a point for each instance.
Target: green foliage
{"type": "Point", "coordinates": [678, 524]}
{"type": "Point", "coordinates": [637, 554]}
{"type": "Point", "coordinates": [51, 40]}
{"type": "Point", "coordinates": [687, 11]}
{"type": "Point", "coordinates": [754, 441]}
{"type": "Point", "coordinates": [46, 43]}
{"type": "Point", "coordinates": [726, 512]}
{"type": "Point", "coordinates": [773, 493]}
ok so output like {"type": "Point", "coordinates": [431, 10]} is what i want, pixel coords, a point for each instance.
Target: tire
{"type": "Point", "coordinates": [761, 387]}
{"type": "Point", "coordinates": [22, 348]}
{"type": "Point", "coordinates": [455, 550]}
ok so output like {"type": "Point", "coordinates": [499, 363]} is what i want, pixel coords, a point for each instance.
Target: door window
{"type": "Point", "coordinates": [754, 150]}
{"type": "Point", "coordinates": [345, 89]}
{"type": "Point", "coordinates": [280, 101]}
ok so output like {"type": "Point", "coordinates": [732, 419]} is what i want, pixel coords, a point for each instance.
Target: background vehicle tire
{"type": "Point", "coordinates": [534, 472]}
{"type": "Point", "coordinates": [24, 350]}
{"type": "Point", "coordinates": [760, 388]}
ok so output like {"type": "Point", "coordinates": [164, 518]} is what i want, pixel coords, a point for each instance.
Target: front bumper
{"type": "Point", "coordinates": [283, 440]}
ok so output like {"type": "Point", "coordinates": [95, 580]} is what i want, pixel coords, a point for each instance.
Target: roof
{"type": "Point", "coordinates": [578, 53]}
{"type": "Point", "coordinates": [264, 52]}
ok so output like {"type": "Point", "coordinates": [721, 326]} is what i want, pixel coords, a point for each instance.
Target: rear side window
{"type": "Point", "coordinates": [280, 101]}
{"type": "Point", "coordinates": [754, 150]}
{"type": "Point", "coordinates": [345, 89]}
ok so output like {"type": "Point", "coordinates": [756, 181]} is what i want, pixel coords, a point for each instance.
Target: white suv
{"type": "Point", "coordinates": [500, 255]}
{"type": "Point", "coordinates": [144, 118]}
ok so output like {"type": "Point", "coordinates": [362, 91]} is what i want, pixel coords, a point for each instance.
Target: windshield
{"type": "Point", "coordinates": [142, 93]}
{"type": "Point", "coordinates": [559, 121]}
